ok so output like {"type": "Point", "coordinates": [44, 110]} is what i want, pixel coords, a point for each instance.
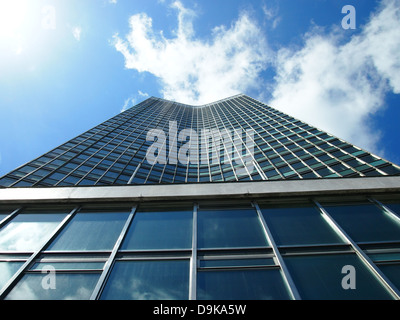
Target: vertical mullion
{"type": "Point", "coordinates": [17, 276]}
{"type": "Point", "coordinates": [165, 107]}
{"type": "Point", "coordinates": [386, 210]}
{"type": "Point", "coordinates": [10, 217]}
{"type": "Point", "coordinates": [286, 275]}
{"type": "Point", "coordinates": [193, 259]}
{"type": "Point", "coordinates": [190, 145]}
{"type": "Point", "coordinates": [107, 267]}
{"type": "Point", "coordinates": [147, 124]}
{"type": "Point", "coordinates": [364, 257]}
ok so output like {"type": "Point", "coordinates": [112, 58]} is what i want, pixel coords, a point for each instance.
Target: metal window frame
{"type": "Point", "coordinates": [286, 275]}
{"type": "Point", "coordinates": [10, 216]}
{"type": "Point", "coordinates": [262, 105]}
{"type": "Point", "coordinates": [193, 254]}
{"type": "Point", "coordinates": [395, 292]}
{"type": "Point", "coordinates": [21, 271]}
{"type": "Point", "coordinates": [111, 260]}
{"type": "Point", "coordinates": [193, 258]}
{"type": "Point", "coordinates": [149, 124]}
{"type": "Point", "coordinates": [257, 166]}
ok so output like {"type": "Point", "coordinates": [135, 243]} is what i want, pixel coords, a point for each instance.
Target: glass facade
{"type": "Point", "coordinates": [231, 250]}
{"type": "Point", "coordinates": [198, 144]}
{"type": "Point", "coordinates": [158, 245]}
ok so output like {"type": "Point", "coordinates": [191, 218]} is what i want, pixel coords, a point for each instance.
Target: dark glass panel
{"type": "Point", "coordinates": [365, 222]}
{"type": "Point", "coordinates": [251, 284]}
{"type": "Point", "coordinates": [230, 228]}
{"type": "Point", "coordinates": [320, 277]}
{"type": "Point", "coordinates": [392, 272]}
{"type": "Point", "coordinates": [237, 262]}
{"type": "Point", "coordinates": [67, 286]}
{"type": "Point", "coordinates": [300, 225]}
{"type": "Point", "coordinates": [29, 231]}
{"type": "Point", "coordinates": [91, 230]}
{"type": "Point", "coordinates": [7, 270]}
{"type": "Point", "coordinates": [148, 280]}
{"type": "Point", "coordinates": [164, 229]}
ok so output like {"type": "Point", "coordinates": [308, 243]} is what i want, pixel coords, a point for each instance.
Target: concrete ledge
{"type": "Point", "coordinates": [255, 189]}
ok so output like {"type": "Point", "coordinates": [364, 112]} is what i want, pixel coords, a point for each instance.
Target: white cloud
{"type": "Point", "coordinates": [143, 94]}
{"type": "Point", "coordinates": [333, 84]}
{"type": "Point", "coordinates": [271, 13]}
{"type": "Point", "coordinates": [338, 86]}
{"type": "Point", "coordinates": [196, 71]}
{"type": "Point", "coordinates": [76, 32]}
{"type": "Point", "coordinates": [131, 101]}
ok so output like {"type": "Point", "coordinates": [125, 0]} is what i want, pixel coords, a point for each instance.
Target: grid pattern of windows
{"type": "Point", "coordinates": [260, 249]}
{"type": "Point", "coordinates": [115, 152]}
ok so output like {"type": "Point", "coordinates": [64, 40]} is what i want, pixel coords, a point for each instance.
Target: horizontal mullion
{"type": "Point", "coordinates": [238, 268]}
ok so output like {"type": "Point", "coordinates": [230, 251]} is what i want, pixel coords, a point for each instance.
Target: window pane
{"type": "Point", "coordinates": [7, 270]}
{"type": "Point", "coordinates": [72, 286]}
{"type": "Point", "coordinates": [173, 230]}
{"type": "Point", "coordinates": [237, 262]}
{"type": "Point", "coordinates": [320, 277]}
{"type": "Point", "coordinates": [395, 207]}
{"type": "Point", "coordinates": [301, 225]}
{"type": "Point", "coordinates": [230, 228]}
{"type": "Point", "coordinates": [3, 214]}
{"type": "Point", "coordinates": [365, 222]}
{"type": "Point", "coordinates": [252, 284]}
{"type": "Point", "coordinates": [148, 280]}
{"type": "Point", "coordinates": [68, 265]}
{"type": "Point", "coordinates": [29, 231]}
{"type": "Point", "coordinates": [90, 230]}
{"type": "Point", "coordinates": [384, 257]}
{"type": "Point", "coordinates": [392, 271]}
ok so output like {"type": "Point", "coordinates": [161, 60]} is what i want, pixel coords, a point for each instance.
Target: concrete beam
{"type": "Point", "coordinates": [255, 189]}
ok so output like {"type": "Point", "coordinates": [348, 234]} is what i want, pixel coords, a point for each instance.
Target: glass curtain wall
{"type": "Point", "coordinates": [264, 249]}
{"type": "Point", "coordinates": [216, 136]}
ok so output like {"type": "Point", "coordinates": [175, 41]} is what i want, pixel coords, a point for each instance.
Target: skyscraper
{"type": "Point", "coordinates": [229, 200]}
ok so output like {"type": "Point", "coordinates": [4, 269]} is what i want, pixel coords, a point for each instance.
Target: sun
{"type": "Point", "coordinates": [13, 14]}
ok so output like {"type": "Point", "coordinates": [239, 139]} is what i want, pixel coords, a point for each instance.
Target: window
{"type": "Point", "coordinates": [298, 225]}
{"type": "Point", "coordinates": [91, 230]}
{"type": "Point", "coordinates": [241, 284]}
{"type": "Point", "coordinates": [392, 271]}
{"type": "Point", "coordinates": [160, 229]}
{"type": "Point", "coordinates": [240, 274]}
{"type": "Point", "coordinates": [320, 277]}
{"type": "Point", "coordinates": [388, 261]}
{"type": "Point", "coordinates": [222, 228]}
{"type": "Point", "coordinates": [365, 222]}
{"type": "Point", "coordinates": [4, 214]}
{"type": "Point", "coordinates": [7, 270]}
{"type": "Point", "coordinates": [390, 169]}
{"type": "Point", "coordinates": [29, 230]}
{"type": "Point", "coordinates": [148, 280]}
{"type": "Point", "coordinates": [56, 281]}
{"type": "Point", "coordinates": [395, 207]}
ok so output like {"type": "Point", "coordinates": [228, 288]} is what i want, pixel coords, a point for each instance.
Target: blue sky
{"type": "Point", "coordinates": [68, 65]}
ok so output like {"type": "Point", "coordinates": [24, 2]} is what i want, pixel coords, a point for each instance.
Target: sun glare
{"type": "Point", "coordinates": [14, 15]}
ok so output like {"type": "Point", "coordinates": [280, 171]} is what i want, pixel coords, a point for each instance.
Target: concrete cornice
{"type": "Point", "coordinates": [235, 190]}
